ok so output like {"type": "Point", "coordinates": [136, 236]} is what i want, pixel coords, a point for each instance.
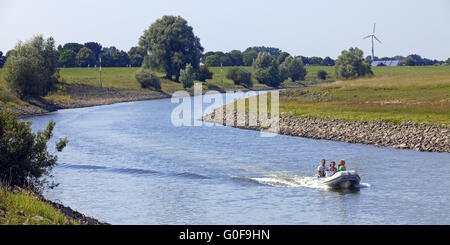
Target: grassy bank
{"type": "Point", "coordinates": [394, 94]}
{"type": "Point", "coordinates": [21, 208]}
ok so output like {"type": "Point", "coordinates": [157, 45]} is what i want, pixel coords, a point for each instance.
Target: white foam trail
{"type": "Point", "coordinates": [294, 181]}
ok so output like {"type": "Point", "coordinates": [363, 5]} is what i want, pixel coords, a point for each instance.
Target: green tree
{"type": "Point", "coordinates": [94, 47]}
{"type": "Point", "coordinates": [24, 157]}
{"type": "Point", "coordinates": [294, 68]}
{"type": "Point", "coordinates": [282, 57]}
{"type": "Point", "coordinates": [351, 64]}
{"type": "Point", "coordinates": [31, 67]}
{"type": "Point", "coordinates": [248, 57]}
{"type": "Point", "coordinates": [2, 59]}
{"type": "Point", "coordinates": [267, 70]}
{"type": "Point", "coordinates": [67, 58]}
{"type": "Point", "coordinates": [235, 57]}
{"type": "Point", "coordinates": [75, 47]}
{"type": "Point", "coordinates": [85, 58]}
{"type": "Point", "coordinates": [448, 61]}
{"type": "Point", "coordinates": [171, 44]}
{"type": "Point", "coordinates": [204, 73]}
{"type": "Point", "coordinates": [240, 76]}
{"type": "Point", "coordinates": [218, 59]}
{"type": "Point", "coordinates": [136, 60]}
{"type": "Point", "coordinates": [187, 76]}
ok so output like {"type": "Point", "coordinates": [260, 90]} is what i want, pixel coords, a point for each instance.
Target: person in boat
{"type": "Point", "coordinates": [332, 168]}
{"type": "Point", "coordinates": [321, 169]}
{"type": "Point", "coordinates": [341, 166]}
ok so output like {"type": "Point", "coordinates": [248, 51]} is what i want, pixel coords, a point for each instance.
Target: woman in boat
{"type": "Point", "coordinates": [341, 166]}
{"type": "Point", "coordinates": [332, 168]}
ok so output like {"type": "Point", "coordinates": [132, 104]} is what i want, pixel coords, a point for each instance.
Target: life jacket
{"type": "Point", "coordinates": [340, 167]}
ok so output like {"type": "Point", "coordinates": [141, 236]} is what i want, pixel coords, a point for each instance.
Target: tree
{"type": "Point", "coordinates": [147, 79]}
{"type": "Point", "coordinates": [136, 55]}
{"type": "Point", "coordinates": [85, 58]}
{"type": "Point", "coordinates": [113, 57]}
{"type": "Point", "coordinates": [294, 68]}
{"type": "Point", "coordinates": [240, 76]}
{"type": "Point", "coordinates": [248, 57]}
{"type": "Point", "coordinates": [94, 47]}
{"type": "Point", "coordinates": [2, 59]}
{"type": "Point", "coordinates": [136, 60]}
{"type": "Point", "coordinates": [218, 59]}
{"type": "Point", "coordinates": [261, 49]}
{"type": "Point", "coordinates": [235, 57]}
{"type": "Point", "coordinates": [187, 76]}
{"type": "Point", "coordinates": [171, 44]}
{"type": "Point", "coordinates": [24, 157]}
{"type": "Point", "coordinates": [283, 57]}
{"type": "Point", "coordinates": [75, 47]}
{"type": "Point", "coordinates": [204, 73]}
{"type": "Point", "coordinates": [448, 61]}
{"type": "Point", "coordinates": [31, 67]}
{"type": "Point", "coordinates": [266, 70]}
{"type": "Point", "coordinates": [67, 58]}
{"type": "Point", "coordinates": [327, 61]}
{"type": "Point", "coordinates": [351, 64]}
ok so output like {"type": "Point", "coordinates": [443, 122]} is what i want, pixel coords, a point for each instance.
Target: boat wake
{"type": "Point", "coordinates": [290, 180]}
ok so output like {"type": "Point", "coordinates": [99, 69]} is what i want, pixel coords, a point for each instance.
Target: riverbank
{"type": "Point", "coordinates": [22, 207]}
{"type": "Point", "coordinates": [408, 135]}
{"type": "Point", "coordinates": [78, 96]}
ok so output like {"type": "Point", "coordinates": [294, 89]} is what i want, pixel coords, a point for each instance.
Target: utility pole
{"type": "Point", "coordinates": [100, 82]}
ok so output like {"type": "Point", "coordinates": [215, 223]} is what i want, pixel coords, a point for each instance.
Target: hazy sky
{"type": "Point", "coordinates": [308, 28]}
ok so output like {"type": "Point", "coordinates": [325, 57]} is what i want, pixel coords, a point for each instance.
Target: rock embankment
{"type": "Point", "coordinates": [407, 135]}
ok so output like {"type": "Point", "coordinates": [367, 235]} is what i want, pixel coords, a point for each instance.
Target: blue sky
{"type": "Point", "coordinates": [309, 28]}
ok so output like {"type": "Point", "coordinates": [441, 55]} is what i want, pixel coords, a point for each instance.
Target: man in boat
{"type": "Point", "coordinates": [341, 166]}
{"type": "Point", "coordinates": [321, 169]}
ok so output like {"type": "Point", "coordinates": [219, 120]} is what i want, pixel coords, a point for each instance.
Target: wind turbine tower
{"type": "Point", "coordinates": [372, 36]}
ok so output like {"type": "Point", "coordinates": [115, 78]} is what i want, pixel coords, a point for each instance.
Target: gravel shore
{"type": "Point", "coordinates": [407, 135]}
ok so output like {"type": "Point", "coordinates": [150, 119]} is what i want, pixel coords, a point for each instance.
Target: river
{"type": "Point", "coordinates": [127, 164]}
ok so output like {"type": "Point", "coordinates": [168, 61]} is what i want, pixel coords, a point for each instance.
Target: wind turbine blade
{"type": "Point", "coordinates": [367, 37]}
{"type": "Point", "coordinates": [373, 28]}
{"type": "Point", "coordinates": [377, 39]}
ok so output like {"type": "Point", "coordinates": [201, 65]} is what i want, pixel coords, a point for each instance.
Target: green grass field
{"type": "Point", "coordinates": [395, 94]}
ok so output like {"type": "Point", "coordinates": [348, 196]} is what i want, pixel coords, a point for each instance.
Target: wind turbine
{"type": "Point", "coordinates": [372, 36]}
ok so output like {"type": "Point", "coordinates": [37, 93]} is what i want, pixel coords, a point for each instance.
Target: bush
{"type": "Point", "coordinates": [147, 79]}
{"type": "Point", "coordinates": [294, 68]}
{"type": "Point", "coordinates": [31, 67]}
{"type": "Point", "coordinates": [24, 157]}
{"type": "Point", "coordinates": [204, 73]}
{"type": "Point", "coordinates": [187, 76]}
{"type": "Point", "coordinates": [351, 64]}
{"type": "Point", "coordinates": [267, 71]}
{"type": "Point", "coordinates": [322, 75]}
{"type": "Point", "coordinates": [240, 76]}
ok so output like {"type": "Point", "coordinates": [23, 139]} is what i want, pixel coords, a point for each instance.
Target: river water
{"type": "Point", "coordinates": [127, 164]}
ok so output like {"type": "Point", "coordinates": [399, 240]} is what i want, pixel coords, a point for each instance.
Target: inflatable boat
{"type": "Point", "coordinates": [343, 179]}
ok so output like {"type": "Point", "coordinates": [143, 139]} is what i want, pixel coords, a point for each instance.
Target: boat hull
{"type": "Point", "coordinates": [342, 180]}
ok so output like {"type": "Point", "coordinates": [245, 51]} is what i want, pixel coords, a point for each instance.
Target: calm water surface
{"type": "Point", "coordinates": [127, 164]}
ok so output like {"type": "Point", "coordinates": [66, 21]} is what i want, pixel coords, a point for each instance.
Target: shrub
{"type": "Point", "coordinates": [294, 68]}
{"type": "Point", "coordinates": [204, 73]}
{"type": "Point", "coordinates": [267, 70]}
{"type": "Point", "coordinates": [351, 64]}
{"type": "Point", "coordinates": [240, 76]}
{"type": "Point", "coordinates": [322, 75]}
{"type": "Point", "coordinates": [147, 79]}
{"type": "Point", "coordinates": [187, 76]}
{"type": "Point", "coordinates": [24, 157]}
{"type": "Point", "coordinates": [31, 67]}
